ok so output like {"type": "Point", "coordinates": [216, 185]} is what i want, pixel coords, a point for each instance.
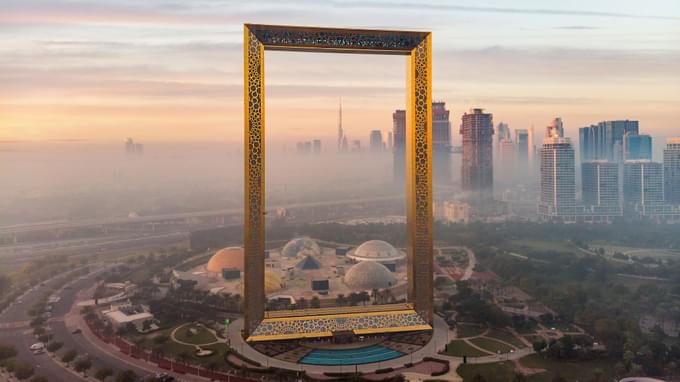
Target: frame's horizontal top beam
{"type": "Point", "coordinates": [336, 40]}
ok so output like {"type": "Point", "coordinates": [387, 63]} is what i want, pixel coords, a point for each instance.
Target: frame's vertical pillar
{"type": "Point", "coordinates": [253, 203]}
{"type": "Point", "coordinates": [419, 177]}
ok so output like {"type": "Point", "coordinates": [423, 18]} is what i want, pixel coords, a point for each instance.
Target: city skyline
{"type": "Point", "coordinates": [107, 70]}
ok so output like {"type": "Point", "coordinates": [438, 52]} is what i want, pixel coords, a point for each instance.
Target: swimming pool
{"type": "Point", "coordinates": [370, 354]}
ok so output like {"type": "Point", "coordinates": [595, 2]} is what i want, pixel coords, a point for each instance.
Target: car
{"type": "Point", "coordinates": [164, 377]}
{"type": "Point", "coordinates": [76, 331]}
{"type": "Point", "coordinates": [37, 348]}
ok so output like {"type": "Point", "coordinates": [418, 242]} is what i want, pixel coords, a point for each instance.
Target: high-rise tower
{"type": "Point", "coordinates": [558, 179]}
{"type": "Point", "coordinates": [477, 166]}
{"type": "Point", "coordinates": [604, 141]}
{"type": "Point", "coordinates": [399, 145]}
{"type": "Point", "coordinates": [671, 171]}
{"type": "Point", "coordinates": [341, 132]}
{"type": "Point", "coordinates": [642, 185]}
{"type": "Point", "coordinates": [441, 144]}
{"type": "Point", "coordinates": [637, 147]}
{"type": "Point", "coordinates": [600, 188]}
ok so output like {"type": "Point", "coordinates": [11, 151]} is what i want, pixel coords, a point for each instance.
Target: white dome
{"type": "Point", "coordinates": [376, 250]}
{"type": "Point", "coordinates": [369, 275]}
{"type": "Point", "coordinates": [301, 246]}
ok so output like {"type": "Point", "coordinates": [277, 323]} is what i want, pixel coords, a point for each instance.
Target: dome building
{"type": "Point", "coordinates": [301, 246]}
{"type": "Point", "coordinates": [231, 257]}
{"type": "Point", "coordinates": [377, 251]}
{"type": "Point", "coordinates": [369, 275]}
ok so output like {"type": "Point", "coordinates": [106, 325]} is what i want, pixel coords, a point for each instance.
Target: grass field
{"type": "Point", "coordinates": [543, 245]}
{"type": "Point", "coordinates": [492, 372]}
{"type": "Point", "coordinates": [202, 337]}
{"type": "Point", "coordinates": [506, 336]}
{"type": "Point", "coordinates": [469, 330]}
{"type": "Point", "coordinates": [571, 371]}
{"type": "Point", "coordinates": [459, 348]}
{"type": "Point", "coordinates": [491, 345]}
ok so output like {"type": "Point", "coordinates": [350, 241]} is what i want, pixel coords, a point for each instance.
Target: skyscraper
{"type": "Point", "coordinates": [642, 184]}
{"type": "Point", "coordinates": [399, 145]}
{"type": "Point", "coordinates": [389, 140]}
{"type": "Point", "coordinates": [505, 154]}
{"type": "Point", "coordinates": [558, 180]}
{"type": "Point", "coordinates": [441, 143]}
{"type": "Point", "coordinates": [555, 129]}
{"type": "Point", "coordinates": [316, 146]}
{"type": "Point", "coordinates": [600, 188]}
{"type": "Point", "coordinates": [604, 141]}
{"type": "Point", "coordinates": [376, 141]}
{"type": "Point", "coordinates": [522, 152]}
{"type": "Point", "coordinates": [671, 171]}
{"type": "Point", "coordinates": [637, 147]}
{"type": "Point", "coordinates": [502, 133]}
{"type": "Point", "coordinates": [341, 133]}
{"type": "Point", "coordinates": [477, 166]}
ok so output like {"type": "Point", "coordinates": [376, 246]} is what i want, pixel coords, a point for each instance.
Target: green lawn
{"type": "Point", "coordinates": [571, 371]}
{"type": "Point", "coordinates": [202, 337]}
{"type": "Point", "coordinates": [543, 245]}
{"type": "Point", "coordinates": [491, 345]}
{"type": "Point", "coordinates": [458, 348]}
{"type": "Point", "coordinates": [505, 336]}
{"type": "Point", "coordinates": [470, 330]}
{"type": "Point", "coordinates": [492, 372]}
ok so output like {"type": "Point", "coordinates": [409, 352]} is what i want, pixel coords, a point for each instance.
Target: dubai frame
{"type": "Point", "coordinates": [417, 47]}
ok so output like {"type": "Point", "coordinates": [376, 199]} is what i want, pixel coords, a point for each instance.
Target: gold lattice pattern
{"type": "Point", "coordinates": [325, 324]}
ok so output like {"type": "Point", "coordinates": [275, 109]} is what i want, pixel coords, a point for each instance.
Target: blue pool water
{"type": "Point", "coordinates": [375, 353]}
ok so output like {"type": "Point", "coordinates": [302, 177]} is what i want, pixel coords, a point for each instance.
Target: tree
{"type": "Point", "coordinates": [539, 345]}
{"type": "Point", "coordinates": [103, 373]}
{"type": "Point", "coordinates": [54, 346]}
{"type": "Point", "coordinates": [23, 371]}
{"type": "Point", "coordinates": [69, 356]}
{"type": "Point", "coordinates": [126, 376]}
{"type": "Point", "coordinates": [7, 351]}
{"type": "Point", "coordinates": [315, 302]}
{"type": "Point", "coordinates": [83, 365]}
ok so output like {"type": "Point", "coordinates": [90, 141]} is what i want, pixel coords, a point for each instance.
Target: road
{"type": "Point", "coordinates": [65, 224]}
{"type": "Point", "coordinates": [22, 338]}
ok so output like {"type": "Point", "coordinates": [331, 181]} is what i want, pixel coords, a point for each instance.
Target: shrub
{"type": "Point", "coordinates": [54, 346]}
{"type": "Point", "coordinates": [69, 356]}
{"type": "Point", "coordinates": [23, 371]}
{"type": "Point", "coordinates": [7, 351]}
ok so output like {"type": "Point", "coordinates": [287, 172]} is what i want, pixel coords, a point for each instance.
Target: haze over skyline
{"type": "Point", "coordinates": [104, 70]}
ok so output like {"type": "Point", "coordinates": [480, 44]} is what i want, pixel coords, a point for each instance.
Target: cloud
{"type": "Point", "coordinates": [578, 27]}
{"type": "Point", "coordinates": [504, 10]}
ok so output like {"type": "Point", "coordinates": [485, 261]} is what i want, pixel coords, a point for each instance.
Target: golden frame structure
{"type": "Point", "coordinates": [417, 47]}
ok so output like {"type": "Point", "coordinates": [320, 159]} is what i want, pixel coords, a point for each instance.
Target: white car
{"type": "Point", "coordinates": [37, 348]}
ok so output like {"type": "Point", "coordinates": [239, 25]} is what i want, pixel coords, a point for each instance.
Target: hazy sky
{"type": "Point", "coordinates": [172, 70]}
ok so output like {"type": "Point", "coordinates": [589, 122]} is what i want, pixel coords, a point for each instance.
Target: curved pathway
{"type": "Point", "coordinates": [197, 346]}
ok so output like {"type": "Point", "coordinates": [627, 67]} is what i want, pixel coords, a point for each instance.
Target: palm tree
{"type": "Point", "coordinates": [183, 357]}
{"type": "Point", "coordinates": [341, 300]}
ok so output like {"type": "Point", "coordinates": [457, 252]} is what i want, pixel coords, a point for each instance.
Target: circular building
{"type": "Point", "coordinates": [301, 246]}
{"type": "Point", "coordinates": [369, 275]}
{"type": "Point", "coordinates": [231, 257]}
{"type": "Point", "coordinates": [377, 251]}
